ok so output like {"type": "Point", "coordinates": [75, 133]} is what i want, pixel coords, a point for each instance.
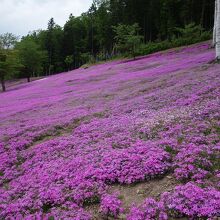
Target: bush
{"type": "Point", "coordinates": [153, 47]}
{"type": "Point", "coordinates": [190, 34]}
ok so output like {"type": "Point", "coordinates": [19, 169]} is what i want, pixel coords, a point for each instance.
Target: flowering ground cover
{"type": "Point", "coordinates": [66, 141]}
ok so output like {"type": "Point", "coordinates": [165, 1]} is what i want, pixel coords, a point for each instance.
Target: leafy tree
{"type": "Point", "coordinates": [40, 38]}
{"type": "Point", "coordinates": [9, 65]}
{"type": "Point", "coordinates": [8, 40]}
{"type": "Point", "coordinates": [3, 66]}
{"type": "Point", "coordinates": [127, 38]}
{"type": "Point", "coordinates": [31, 57]}
{"type": "Point", "coordinates": [104, 31]}
{"type": "Point", "coordinates": [74, 39]}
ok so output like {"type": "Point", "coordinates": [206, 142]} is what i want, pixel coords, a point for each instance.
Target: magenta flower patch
{"type": "Point", "coordinates": [66, 139]}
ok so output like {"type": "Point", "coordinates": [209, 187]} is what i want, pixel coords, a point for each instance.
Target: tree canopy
{"type": "Point", "coordinates": [31, 57]}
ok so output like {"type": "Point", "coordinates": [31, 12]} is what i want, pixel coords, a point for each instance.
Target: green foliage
{"type": "Point", "coordinates": [75, 39]}
{"type": "Point", "coordinates": [171, 151]}
{"type": "Point", "coordinates": [87, 58]}
{"type": "Point", "coordinates": [127, 38]}
{"type": "Point", "coordinates": [9, 65]}
{"type": "Point", "coordinates": [103, 22]}
{"type": "Point", "coordinates": [8, 40]}
{"type": "Point", "coordinates": [68, 61]}
{"type": "Point", "coordinates": [31, 57]}
{"type": "Point", "coordinates": [190, 31]}
{"type": "Point", "coordinates": [189, 35]}
{"type": "Point", "coordinates": [55, 47]}
{"type": "Point", "coordinates": [8, 62]}
{"type": "Point", "coordinates": [8, 57]}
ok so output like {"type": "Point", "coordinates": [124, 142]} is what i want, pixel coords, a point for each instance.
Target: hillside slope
{"type": "Point", "coordinates": [134, 128]}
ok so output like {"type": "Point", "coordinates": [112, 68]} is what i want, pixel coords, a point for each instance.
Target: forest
{"type": "Point", "coordinates": [109, 29]}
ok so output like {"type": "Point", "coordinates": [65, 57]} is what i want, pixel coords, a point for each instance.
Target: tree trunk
{"type": "Point", "coordinates": [203, 13]}
{"type": "Point", "coordinates": [49, 70]}
{"type": "Point", "coordinates": [191, 14]}
{"type": "Point", "coordinates": [217, 46]}
{"type": "Point", "coordinates": [3, 84]}
{"type": "Point", "coordinates": [28, 79]}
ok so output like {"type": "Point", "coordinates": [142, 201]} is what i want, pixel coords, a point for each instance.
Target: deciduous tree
{"type": "Point", "coordinates": [9, 62]}
{"type": "Point", "coordinates": [31, 57]}
{"type": "Point", "coordinates": [9, 65]}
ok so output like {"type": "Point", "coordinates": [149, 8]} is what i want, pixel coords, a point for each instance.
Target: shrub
{"type": "Point", "coordinates": [190, 34]}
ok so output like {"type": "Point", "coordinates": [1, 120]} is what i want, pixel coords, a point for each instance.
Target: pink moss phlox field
{"type": "Point", "coordinates": [196, 162]}
{"type": "Point", "coordinates": [111, 205]}
{"type": "Point", "coordinates": [187, 200]}
{"type": "Point", "coordinates": [66, 139]}
{"type": "Point", "coordinates": [134, 164]}
{"type": "Point", "coordinates": [193, 201]}
{"type": "Point", "coordinates": [150, 210]}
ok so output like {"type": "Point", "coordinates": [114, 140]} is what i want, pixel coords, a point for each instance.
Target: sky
{"type": "Point", "coordinates": [21, 16]}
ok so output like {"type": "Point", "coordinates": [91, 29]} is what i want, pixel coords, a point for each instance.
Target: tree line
{"type": "Point", "coordinates": [109, 28]}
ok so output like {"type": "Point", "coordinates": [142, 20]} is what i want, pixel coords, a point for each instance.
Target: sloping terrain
{"type": "Point", "coordinates": [98, 142]}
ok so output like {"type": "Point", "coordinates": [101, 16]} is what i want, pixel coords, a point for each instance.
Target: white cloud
{"type": "Point", "coordinates": [21, 16]}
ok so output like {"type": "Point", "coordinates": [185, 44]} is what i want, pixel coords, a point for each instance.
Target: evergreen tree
{"type": "Point", "coordinates": [50, 43]}
{"type": "Point", "coordinates": [127, 38]}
